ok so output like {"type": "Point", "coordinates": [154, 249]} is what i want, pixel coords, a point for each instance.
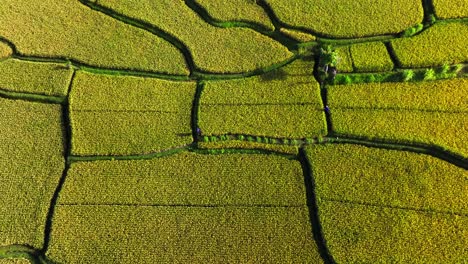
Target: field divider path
{"type": "Point", "coordinates": [429, 11]}
{"type": "Point", "coordinates": [188, 205]}
{"type": "Point", "coordinates": [190, 148]}
{"type": "Point", "coordinates": [32, 97]}
{"type": "Point", "coordinates": [143, 156]}
{"type": "Point", "coordinates": [67, 152]}
{"type": "Point", "coordinates": [80, 65]}
{"type": "Point", "coordinates": [276, 35]}
{"type": "Point", "coordinates": [316, 227]}
{"type": "Point", "coordinates": [23, 252]}
{"type": "Point", "coordinates": [196, 132]}
{"type": "Point", "coordinates": [392, 54]}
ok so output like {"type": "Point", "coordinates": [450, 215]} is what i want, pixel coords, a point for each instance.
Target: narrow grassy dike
{"type": "Point", "coordinates": [313, 208]}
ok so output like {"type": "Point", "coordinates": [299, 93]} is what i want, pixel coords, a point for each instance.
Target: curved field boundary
{"type": "Point", "coordinates": [23, 252]}
{"type": "Point", "coordinates": [32, 97]}
{"type": "Point", "coordinates": [275, 35]}
{"type": "Point", "coordinates": [148, 27]}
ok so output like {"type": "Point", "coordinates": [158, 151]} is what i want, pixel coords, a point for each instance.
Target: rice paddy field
{"type": "Point", "coordinates": [244, 131]}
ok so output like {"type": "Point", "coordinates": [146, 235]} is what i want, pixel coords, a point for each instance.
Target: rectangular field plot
{"type": "Point", "coordinates": [284, 121]}
{"type": "Point", "coordinates": [120, 133]}
{"type": "Point", "coordinates": [349, 19]}
{"type": "Point", "coordinates": [127, 234]}
{"type": "Point", "coordinates": [284, 103]}
{"type": "Point", "coordinates": [371, 57]}
{"type": "Point", "coordinates": [450, 9]}
{"type": "Point", "coordinates": [442, 43]}
{"type": "Point", "coordinates": [441, 95]}
{"type": "Point", "coordinates": [34, 77]}
{"type": "Point", "coordinates": [446, 130]}
{"type": "Point", "coordinates": [114, 115]}
{"type": "Point", "coordinates": [390, 178]}
{"type": "Point", "coordinates": [367, 234]}
{"type": "Point", "coordinates": [431, 112]}
{"type": "Point", "coordinates": [31, 164]}
{"type": "Point", "coordinates": [188, 179]}
{"type": "Point", "coordinates": [345, 61]}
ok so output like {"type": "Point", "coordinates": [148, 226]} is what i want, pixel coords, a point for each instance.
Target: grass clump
{"type": "Point", "coordinates": [31, 165]}
{"type": "Point", "coordinates": [398, 178]}
{"type": "Point", "coordinates": [450, 9]}
{"type": "Point", "coordinates": [188, 179]}
{"type": "Point", "coordinates": [407, 75]}
{"type": "Point", "coordinates": [221, 50]}
{"type": "Point", "coordinates": [182, 235]}
{"type": "Point", "coordinates": [34, 77]}
{"type": "Point", "coordinates": [282, 103]}
{"type": "Point", "coordinates": [101, 41]}
{"type": "Point", "coordinates": [371, 57]}
{"type": "Point", "coordinates": [442, 43]}
{"type": "Point", "coordinates": [121, 115]}
{"type": "Point", "coordinates": [412, 30]}
{"type": "Point", "coordinates": [238, 144]}
{"type": "Point", "coordinates": [237, 10]}
{"type": "Point", "coordinates": [350, 19]}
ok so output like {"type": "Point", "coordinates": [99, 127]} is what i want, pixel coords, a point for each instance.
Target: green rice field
{"type": "Point", "coordinates": [243, 131]}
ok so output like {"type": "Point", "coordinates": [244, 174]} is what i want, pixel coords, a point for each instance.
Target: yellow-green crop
{"type": "Point", "coordinates": [388, 178]}
{"type": "Point", "coordinates": [225, 50]}
{"type": "Point", "coordinates": [112, 115]}
{"type": "Point", "coordinates": [382, 206]}
{"type": "Point", "coordinates": [450, 9]}
{"type": "Point", "coordinates": [67, 28]}
{"type": "Point", "coordinates": [283, 103]}
{"type": "Point", "coordinates": [298, 35]}
{"type": "Point", "coordinates": [371, 234]}
{"type": "Point", "coordinates": [5, 50]}
{"type": "Point", "coordinates": [31, 164]}
{"type": "Point", "coordinates": [188, 179]}
{"type": "Point", "coordinates": [180, 234]}
{"type": "Point", "coordinates": [350, 19]}
{"type": "Point", "coordinates": [345, 62]}
{"type": "Point", "coordinates": [442, 43]}
{"type": "Point", "coordinates": [237, 10]}
{"type": "Point", "coordinates": [431, 112]}
{"type": "Point", "coordinates": [14, 261]}
{"type": "Point", "coordinates": [440, 95]}
{"type": "Point", "coordinates": [34, 77]}
{"type": "Point", "coordinates": [442, 129]}
{"type": "Point", "coordinates": [371, 57]}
